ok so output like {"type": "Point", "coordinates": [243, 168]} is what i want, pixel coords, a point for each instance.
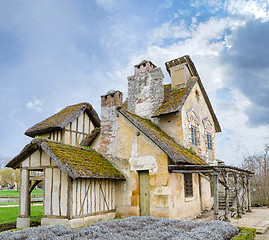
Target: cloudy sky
{"type": "Point", "coordinates": [57, 53]}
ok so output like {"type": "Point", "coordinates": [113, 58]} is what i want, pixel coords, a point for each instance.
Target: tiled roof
{"type": "Point", "coordinates": [60, 120]}
{"type": "Point", "coordinates": [76, 162]}
{"type": "Point", "coordinates": [177, 153]}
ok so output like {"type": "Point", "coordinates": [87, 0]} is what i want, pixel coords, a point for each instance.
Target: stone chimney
{"type": "Point", "coordinates": [179, 71]}
{"type": "Point", "coordinates": [109, 123]}
{"type": "Point", "coordinates": [145, 89]}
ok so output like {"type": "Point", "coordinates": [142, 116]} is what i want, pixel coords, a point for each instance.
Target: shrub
{"type": "Point", "coordinates": [245, 234]}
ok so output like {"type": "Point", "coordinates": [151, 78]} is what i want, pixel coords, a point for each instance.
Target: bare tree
{"type": "Point", "coordinates": [259, 164]}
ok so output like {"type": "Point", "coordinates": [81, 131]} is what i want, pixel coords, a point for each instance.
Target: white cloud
{"type": "Point", "coordinates": [259, 9]}
{"type": "Point", "coordinates": [169, 30]}
{"type": "Point", "coordinates": [36, 104]}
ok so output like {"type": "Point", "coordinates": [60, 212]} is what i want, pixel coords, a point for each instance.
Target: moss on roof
{"type": "Point", "coordinates": [61, 119]}
{"type": "Point", "coordinates": [80, 162]}
{"type": "Point", "coordinates": [177, 153]}
{"type": "Point", "coordinates": [172, 99]}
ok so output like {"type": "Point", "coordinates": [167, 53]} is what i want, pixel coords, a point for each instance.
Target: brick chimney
{"type": "Point", "coordinates": [145, 89]}
{"type": "Point", "coordinates": [109, 124]}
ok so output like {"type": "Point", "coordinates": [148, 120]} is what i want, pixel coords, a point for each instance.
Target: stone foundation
{"type": "Point", "coordinates": [78, 222]}
{"type": "Point", "coordinates": [23, 222]}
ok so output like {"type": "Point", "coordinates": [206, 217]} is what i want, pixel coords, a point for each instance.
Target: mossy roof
{"type": "Point", "coordinates": [75, 161]}
{"type": "Point", "coordinates": [174, 98]}
{"type": "Point", "coordinates": [177, 153]}
{"type": "Point", "coordinates": [61, 119]}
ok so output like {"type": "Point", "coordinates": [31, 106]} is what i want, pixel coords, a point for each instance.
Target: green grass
{"type": "Point", "coordinates": [15, 193]}
{"type": "Point", "coordinates": [245, 234]}
{"type": "Point", "coordinates": [9, 203]}
{"type": "Point", "coordinates": [10, 214]}
{"type": "Point", "coordinates": [16, 203]}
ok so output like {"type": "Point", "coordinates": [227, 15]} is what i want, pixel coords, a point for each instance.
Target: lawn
{"type": "Point", "coordinates": [10, 214]}
{"type": "Point", "coordinates": [15, 193]}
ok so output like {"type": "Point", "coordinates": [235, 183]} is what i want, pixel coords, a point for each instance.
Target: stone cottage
{"type": "Point", "coordinates": [153, 154]}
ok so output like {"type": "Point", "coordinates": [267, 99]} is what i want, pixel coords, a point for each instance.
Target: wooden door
{"type": "Point", "coordinates": [144, 194]}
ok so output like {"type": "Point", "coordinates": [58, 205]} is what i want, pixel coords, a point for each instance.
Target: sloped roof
{"type": "Point", "coordinates": [178, 154]}
{"type": "Point", "coordinates": [76, 162]}
{"type": "Point", "coordinates": [174, 99]}
{"type": "Point", "coordinates": [162, 110]}
{"type": "Point", "coordinates": [89, 139]}
{"type": "Point", "coordinates": [61, 119]}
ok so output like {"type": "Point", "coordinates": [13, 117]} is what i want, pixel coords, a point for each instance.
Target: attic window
{"type": "Point", "coordinates": [193, 136]}
{"type": "Point", "coordinates": [188, 185]}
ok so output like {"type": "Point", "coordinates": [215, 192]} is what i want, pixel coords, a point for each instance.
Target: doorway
{"type": "Point", "coordinates": [144, 193]}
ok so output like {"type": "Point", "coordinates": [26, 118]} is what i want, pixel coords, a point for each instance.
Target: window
{"type": "Point", "coordinates": [193, 136]}
{"type": "Point", "coordinates": [188, 184]}
{"type": "Point", "coordinates": [209, 141]}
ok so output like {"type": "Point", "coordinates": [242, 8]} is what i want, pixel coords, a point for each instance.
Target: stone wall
{"type": "Point", "coordinates": [145, 92]}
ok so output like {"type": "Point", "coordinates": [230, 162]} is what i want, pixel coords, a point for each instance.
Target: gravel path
{"type": "Point", "coordinates": [129, 229]}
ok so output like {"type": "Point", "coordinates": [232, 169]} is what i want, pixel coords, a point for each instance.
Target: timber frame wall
{"type": "Point", "coordinates": [63, 196]}
{"type": "Point", "coordinates": [74, 132]}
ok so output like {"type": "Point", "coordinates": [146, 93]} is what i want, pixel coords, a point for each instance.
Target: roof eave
{"type": "Point", "coordinates": [175, 157]}
{"type": "Point", "coordinates": [25, 152]}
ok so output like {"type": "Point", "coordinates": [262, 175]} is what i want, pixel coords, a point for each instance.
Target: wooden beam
{"type": "Point", "coordinates": [206, 177]}
{"type": "Point", "coordinates": [103, 194]}
{"type": "Point", "coordinates": [192, 171]}
{"type": "Point", "coordinates": [236, 178]}
{"type": "Point", "coordinates": [34, 185]}
{"type": "Point", "coordinates": [36, 178]}
{"type": "Point", "coordinates": [244, 194]}
{"type": "Point", "coordinates": [86, 196]}
{"type": "Point", "coordinates": [227, 200]}
{"type": "Point", "coordinates": [248, 194]}
{"type": "Point", "coordinates": [216, 195]}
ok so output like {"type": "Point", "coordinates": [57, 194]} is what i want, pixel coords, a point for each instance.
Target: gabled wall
{"type": "Point", "coordinates": [195, 113]}
{"type": "Point", "coordinates": [74, 132]}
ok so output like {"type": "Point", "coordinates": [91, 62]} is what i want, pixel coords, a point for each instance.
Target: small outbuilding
{"type": "Point", "coordinates": [79, 183]}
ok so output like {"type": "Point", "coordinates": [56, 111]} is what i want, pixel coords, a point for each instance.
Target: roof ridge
{"type": "Point", "coordinates": [62, 118]}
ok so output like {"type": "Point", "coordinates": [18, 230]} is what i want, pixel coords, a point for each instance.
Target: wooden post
{"type": "Point", "coordinates": [237, 195]}
{"type": "Point", "coordinates": [244, 195]}
{"type": "Point", "coordinates": [248, 194]}
{"type": "Point", "coordinates": [200, 193]}
{"type": "Point", "coordinates": [227, 200]}
{"type": "Point", "coordinates": [216, 195]}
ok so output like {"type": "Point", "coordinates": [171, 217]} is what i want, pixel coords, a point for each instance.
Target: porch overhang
{"type": "Point", "coordinates": [207, 169]}
{"type": "Point", "coordinates": [216, 174]}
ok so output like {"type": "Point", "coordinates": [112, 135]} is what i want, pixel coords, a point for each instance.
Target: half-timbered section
{"type": "Point", "coordinates": [79, 184]}
{"type": "Point", "coordinates": [70, 126]}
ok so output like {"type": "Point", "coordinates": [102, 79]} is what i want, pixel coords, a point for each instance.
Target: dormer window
{"type": "Point", "coordinates": [209, 141]}
{"type": "Point", "coordinates": [193, 136]}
